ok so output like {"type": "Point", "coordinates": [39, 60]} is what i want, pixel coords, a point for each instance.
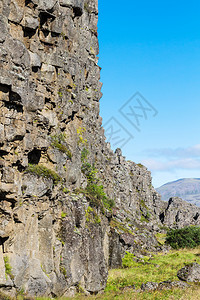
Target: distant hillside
{"type": "Point", "coordinates": [187, 188]}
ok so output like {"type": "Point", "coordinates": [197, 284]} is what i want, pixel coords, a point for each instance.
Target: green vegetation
{"type": "Point", "coordinates": [63, 271]}
{"type": "Point", "coordinates": [90, 172]}
{"type": "Point", "coordinates": [98, 197]}
{"type": "Point", "coordinates": [60, 94]}
{"type": "Point", "coordinates": [157, 268]}
{"type": "Point", "coordinates": [84, 154]}
{"type": "Point", "coordinates": [119, 226]}
{"type": "Point", "coordinates": [188, 237]}
{"type": "Point", "coordinates": [192, 293]}
{"type": "Point", "coordinates": [80, 131]}
{"type": "Point", "coordinates": [142, 204]}
{"type": "Point", "coordinates": [140, 165]}
{"type": "Point", "coordinates": [62, 35]}
{"type": "Point", "coordinates": [91, 216]}
{"type": "Point", "coordinates": [57, 142]}
{"type": "Point", "coordinates": [43, 171]}
{"type": "Point", "coordinates": [63, 215]}
{"type": "Point", "coordinates": [161, 238]}
{"type": "Point", "coordinates": [8, 268]}
{"type": "Point", "coordinates": [87, 8]}
{"type": "Point", "coordinates": [144, 219]}
{"type": "Point", "coordinates": [146, 215]}
{"type": "Point", "coordinates": [94, 191]}
{"type": "Point", "coordinates": [65, 190]}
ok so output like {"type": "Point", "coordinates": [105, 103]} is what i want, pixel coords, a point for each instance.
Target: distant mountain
{"type": "Point", "coordinates": [187, 188]}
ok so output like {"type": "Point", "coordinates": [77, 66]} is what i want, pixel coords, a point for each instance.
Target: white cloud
{"type": "Point", "coordinates": [172, 164]}
{"type": "Point", "coordinates": [175, 153]}
{"type": "Point", "coordinates": [169, 164]}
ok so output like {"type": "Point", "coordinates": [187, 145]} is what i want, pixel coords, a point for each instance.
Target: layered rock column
{"type": "Point", "coordinates": [54, 240]}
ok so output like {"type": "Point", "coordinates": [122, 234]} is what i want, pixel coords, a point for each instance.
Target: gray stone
{"type": "Point", "coordinates": [149, 286]}
{"type": "Point", "coordinates": [74, 3]}
{"type": "Point", "coordinates": [16, 12]}
{"type": "Point", "coordinates": [35, 186]}
{"type": "Point", "coordinates": [35, 59]}
{"type": "Point", "coordinates": [3, 28]}
{"type": "Point", "coordinates": [30, 21]}
{"type": "Point", "coordinates": [168, 285]}
{"type": "Point", "coordinates": [18, 52]}
{"type": "Point", "coordinates": [179, 213]}
{"type": "Point", "coordinates": [190, 273]}
{"type": "Point", "coordinates": [45, 4]}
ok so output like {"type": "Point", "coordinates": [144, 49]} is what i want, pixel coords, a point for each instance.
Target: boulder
{"type": "Point", "coordinates": [190, 273]}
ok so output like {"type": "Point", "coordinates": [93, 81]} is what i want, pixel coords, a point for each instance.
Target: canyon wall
{"type": "Point", "coordinates": [70, 207]}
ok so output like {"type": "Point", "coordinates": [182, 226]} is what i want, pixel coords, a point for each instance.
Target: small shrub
{"type": "Point", "coordinates": [90, 172]}
{"type": "Point", "coordinates": [91, 216]}
{"type": "Point", "coordinates": [86, 7]}
{"type": "Point", "coordinates": [63, 271]}
{"type": "Point", "coordinates": [84, 154]}
{"type": "Point", "coordinates": [144, 218]}
{"type": "Point", "coordinates": [57, 142]}
{"type": "Point", "coordinates": [161, 238]}
{"type": "Point", "coordinates": [43, 171]}
{"type": "Point", "coordinates": [188, 237]}
{"type": "Point", "coordinates": [80, 131]}
{"type": "Point", "coordinates": [94, 191]}
{"type": "Point", "coordinates": [63, 215]}
{"type": "Point", "coordinates": [140, 165]}
{"type": "Point", "coordinates": [65, 190]}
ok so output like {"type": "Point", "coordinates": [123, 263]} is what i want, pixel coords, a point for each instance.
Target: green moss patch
{"type": "Point", "coordinates": [43, 171]}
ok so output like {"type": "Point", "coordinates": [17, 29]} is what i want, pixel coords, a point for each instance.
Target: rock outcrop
{"type": "Point", "coordinates": [58, 177]}
{"type": "Point", "coordinates": [190, 273]}
{"type": "Point", "coordinates": [164, 285]}
{"type": "Point", "coordinates": [178, 214]}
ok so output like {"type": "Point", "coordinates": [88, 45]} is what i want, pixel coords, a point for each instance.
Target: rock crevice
{"type": "Point", "coordinates": [58, 176]}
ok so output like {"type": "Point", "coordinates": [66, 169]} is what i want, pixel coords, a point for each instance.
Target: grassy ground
{"type": "Point", "coordinates": [156, 268]}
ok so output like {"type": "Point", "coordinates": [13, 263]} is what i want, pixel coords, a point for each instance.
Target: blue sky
{"type": "Point", "coordinates": [153, 47]}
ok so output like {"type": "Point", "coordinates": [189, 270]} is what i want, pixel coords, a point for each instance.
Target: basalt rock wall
{"type": "Point", "coordinates": [58, 176]}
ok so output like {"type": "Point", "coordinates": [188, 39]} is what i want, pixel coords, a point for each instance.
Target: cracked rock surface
{"type": "Point", "coordinates": [56, 234]}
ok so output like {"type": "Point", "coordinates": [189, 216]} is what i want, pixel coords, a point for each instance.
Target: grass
{"type": "Point", "coordinates": [161, 238]}
{"type": "Point", "coordinates": [156, 268]}
{"type": "Point", "coordinates": [192, 293]}
{"type": "Point", "coordinates": [43, 171]}
{"type": "Point", "coordinates": [120, 227]}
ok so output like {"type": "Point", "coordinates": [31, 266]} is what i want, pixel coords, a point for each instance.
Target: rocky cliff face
{"type": "Point", "coordinates": [178, 214]}
{"type": "Point", "coordinates": [58, 177]}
